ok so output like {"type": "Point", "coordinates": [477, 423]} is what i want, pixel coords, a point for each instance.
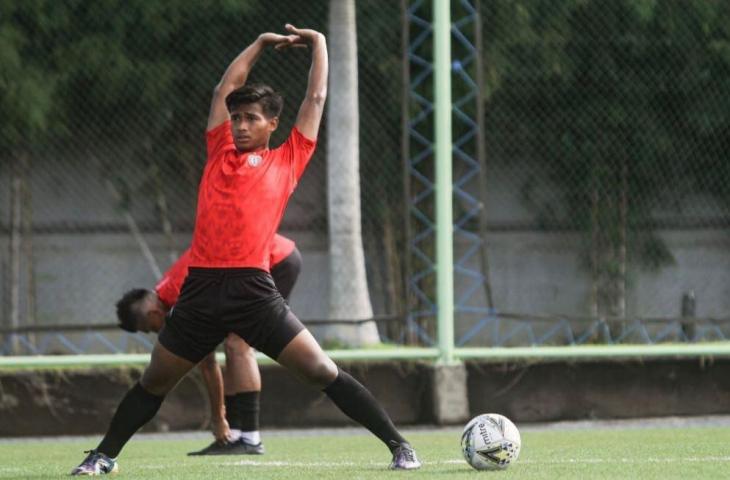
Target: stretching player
{"type": "Point", "coordinates": [242, 197]}
{"type": "Point", "coordinates": [235, 423]}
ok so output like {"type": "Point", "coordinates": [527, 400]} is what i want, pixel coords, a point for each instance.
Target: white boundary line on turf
{"type": "Point", "coordinates": [13, 470]}
{"type": "Point", "coordinates": [536, 463]}
{"type": "Point", "coordinates": [573, 461]}
{"type": "Point", "coordinates": [566, 461]}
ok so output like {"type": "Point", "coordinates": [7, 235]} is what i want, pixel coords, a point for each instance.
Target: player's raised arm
{"type": "Point", "coordinates": [237, 72]}
{"type": "Point", "coordinates": [310, 112]}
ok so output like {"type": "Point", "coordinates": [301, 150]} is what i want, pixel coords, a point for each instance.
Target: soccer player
{"type": "Point", "coordinates": [241, 199]}
{"type": "Point", "coordinates": [235, 423]}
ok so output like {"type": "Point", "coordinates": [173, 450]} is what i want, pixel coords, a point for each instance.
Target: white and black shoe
{"type": "Point", "coordinates": [96, 463]}
{"type": "Point", "coordinates": [404, 458]}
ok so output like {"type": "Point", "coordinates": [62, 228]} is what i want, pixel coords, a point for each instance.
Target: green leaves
{"type": "Point", "coordinates": [591, 82]}
{"type": "Point", "coordinates": [25, 89]}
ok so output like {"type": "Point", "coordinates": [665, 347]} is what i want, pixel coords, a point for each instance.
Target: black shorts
{"type": "Point", "coordinates": [217, 301]}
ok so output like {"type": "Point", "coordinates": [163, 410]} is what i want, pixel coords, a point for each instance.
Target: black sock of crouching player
{"type": "Point", "coordinates": [246, 407]}
{"type": "Point", "coordinates": [231, 412]}
{"type": "Point", "coordinates": [358, 403]}
{"type": "Point", "coordinates": [137, 408]}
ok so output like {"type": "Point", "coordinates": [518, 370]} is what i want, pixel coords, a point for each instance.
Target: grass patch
{"type": "Point", "coordinates": [647, 454]}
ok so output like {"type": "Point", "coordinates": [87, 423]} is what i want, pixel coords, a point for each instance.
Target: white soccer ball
{"type": "Point", "coordinates": [490, 442]}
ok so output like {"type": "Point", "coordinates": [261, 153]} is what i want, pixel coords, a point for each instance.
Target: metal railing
{"type": "Point", "coordinates": [498, 330]}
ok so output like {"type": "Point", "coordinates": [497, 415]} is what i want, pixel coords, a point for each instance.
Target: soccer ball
{"type": "Point", "coordinates": [490, 442]}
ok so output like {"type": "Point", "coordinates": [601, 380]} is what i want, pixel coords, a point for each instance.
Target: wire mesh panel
{"type": "Point", "coordinates": [605, 175]}
{"type": "Point", "coordinates": [601, 197]}
{"type": "Point", "coordinates": [104, 107]}
{"type": "Point", "coordinates": [607, 135]}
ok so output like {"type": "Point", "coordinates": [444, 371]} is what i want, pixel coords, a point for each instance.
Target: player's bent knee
{"type": "Point", "coordinates": [164, 371]}
{"type": "Point", "coordinates": [157, 383]}
{"type": "Point", "coordinates": [321, 372]}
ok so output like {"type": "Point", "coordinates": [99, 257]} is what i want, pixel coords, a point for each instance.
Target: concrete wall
{"type": "Point", "coordinates": [80, 277]}
{"type": "Point", "coordinates": [600, 390]}
{"type": "Point", "coordinates": [60, 402]}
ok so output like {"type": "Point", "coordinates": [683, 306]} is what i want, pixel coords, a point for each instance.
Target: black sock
{"type": "Point", "coordinates": [358, 403]}
{"type": "Point", "coordinates": [231, 412]}
{"type": "Point", "coordinates": [245, 407]}
{"type": "Point", "coordinates": [137, 408]}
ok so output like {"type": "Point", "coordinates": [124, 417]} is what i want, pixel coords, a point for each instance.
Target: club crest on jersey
{"type": "Point", "coordinates": [254, 160]}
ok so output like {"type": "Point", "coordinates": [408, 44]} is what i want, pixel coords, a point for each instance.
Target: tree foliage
{"type": "Point", "coordinates": [578, 83]}
{"type": "Point", "coordinates": [623, 102]}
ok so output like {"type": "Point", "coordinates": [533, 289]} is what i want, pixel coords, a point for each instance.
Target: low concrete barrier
{"type": "Point", "coordinates": [82, 401]}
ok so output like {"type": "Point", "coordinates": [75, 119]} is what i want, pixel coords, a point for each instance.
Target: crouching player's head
{"type": "Point", "coordinates": [141, 310]}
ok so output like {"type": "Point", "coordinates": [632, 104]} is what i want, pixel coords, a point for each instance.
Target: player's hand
{"type": "Point", "coordinates": [303, 36]}
{"type": "Point", "coordinates": [276, 40]}
{"type": "Point", "coordinates": [221, 430]}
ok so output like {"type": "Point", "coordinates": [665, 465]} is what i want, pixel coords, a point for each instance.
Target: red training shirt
{"type": "Point", "coordinates": [168, 288]}
{"type": "Point", "coordinates": [242, 197]}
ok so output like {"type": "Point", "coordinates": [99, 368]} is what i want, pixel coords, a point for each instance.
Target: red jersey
{"type": "Point", "coordinates": [242, 197]}
{"type": "Point", "coordinates": [168, 288]}
{"type": "Point", "coordinates": [281, 248]}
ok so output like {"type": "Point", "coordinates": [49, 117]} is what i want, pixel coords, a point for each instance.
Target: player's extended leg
{"type": "Point", "coordinates": [138, 407]}
{"type": "Point", "coordinates": [306, 359]}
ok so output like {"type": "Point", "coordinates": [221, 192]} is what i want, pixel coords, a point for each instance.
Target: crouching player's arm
{"type": "Point", "coordinates": [213, 377]}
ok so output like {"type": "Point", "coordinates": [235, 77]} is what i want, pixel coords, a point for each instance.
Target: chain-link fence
{"type": "Point", "coordinates": [607, 171]}
{"type": "Point", "coordinates": [616, 125]}
{"type": "Point", "coordinates": [605, 177]}
{"type": "Point", "coordinates": [104, 107]}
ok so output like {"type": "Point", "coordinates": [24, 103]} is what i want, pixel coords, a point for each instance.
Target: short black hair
{"type": "Point", "coordinates": [128, 312]}
{"type": "Point", "coordinates": [271, 102]}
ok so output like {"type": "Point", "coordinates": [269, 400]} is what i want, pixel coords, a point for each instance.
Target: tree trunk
{"type": "Point", "coordinates": [15, 251]}
{"type": "Point", "coordinates": [348, 289]}
{"type": "Point", "coordinates": [622, 247]}
{"type": "Point", "coordinates": [164, 213]}
{"type": "Point", "coordinates": [410, 301]}
{"type": "Point", "coordinates": [26, 215]}
{"type": "Point", "coordinates": [482, 158]}
{"type": "Point", "coordinates": [392, 277]}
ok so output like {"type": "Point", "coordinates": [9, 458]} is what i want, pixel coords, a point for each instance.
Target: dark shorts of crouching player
{"type": "Point", "coordinates": [235, 404]}
{"type": "Point", "coordinates": [241, 201]}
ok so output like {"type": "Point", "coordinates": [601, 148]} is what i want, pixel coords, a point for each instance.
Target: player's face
{"type": "Point", "coordinates": [251, 129]}
{"type": "Point", "coordinates": [153, 315]}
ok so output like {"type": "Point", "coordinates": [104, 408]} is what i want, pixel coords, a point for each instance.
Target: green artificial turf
{"type": "Point", "coordinates": [645, 454]}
